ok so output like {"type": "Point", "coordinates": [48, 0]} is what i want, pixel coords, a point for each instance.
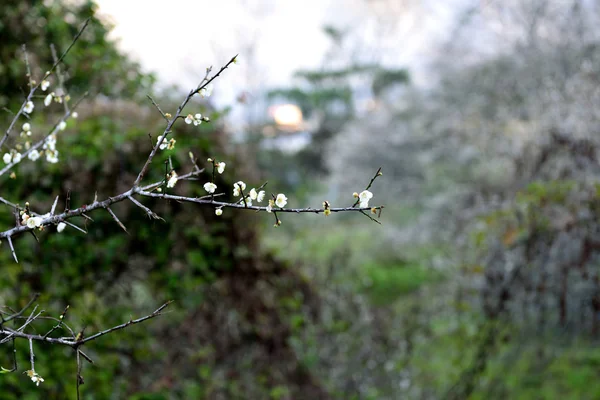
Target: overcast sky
{"type": "Point", "coordinates": [178, 39]}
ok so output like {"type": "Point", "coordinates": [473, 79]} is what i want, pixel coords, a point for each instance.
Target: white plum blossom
{"type": "Point", "coordinates": [28, 109]}
{"type": "Point", "coordinates": [61, 227]}
{"type": "Point", "coordinates": [13, 157]}
{"type": "Point", "coordinates": [261, 195]}
{"type": "Point", "coordinates": [197, 119]}
{"type": "Point", "coordinates": [74, 114]}
{"type": "Point", "coordinates": [206, 91]}
{"type": "Point", "coordinates": [45, 84]}
{"type": "Point", "coordinates": [237, 186]}
{"type": "Point", "coordinates": [33, 155]}
{"type": "Point", "coordinates": [221, 167]}
{"type": "Point", "coordinates": [172, 180]}
{"type": "Point", "coordinates": [50, 143]}
{"type": "Point", "coordinates": [281, 200]}
{"type": "Point", "coordinates": [364, 198]}
{"type": "Point", "coordinates": [52, 156]}
{"type": "Point", "coordinates": [270, 206]}
{"type": "Point", "coordinates": [210, 187]}
{"type": "Point", "coordinates": [34, 222]}
{"type": "Point", "coordinates": [35, 378]}
{"type": "Point", "coordinates": [48, 99]}
{"type": "Point", "coordinates": [218, 211]}
{"type": "Point", "coordinates": [253, 194]}
{"type": "Point", "coordinates": [164, 143]}
{"type": "Point", "coordinates": [26, 129]}
{"type": "Point", "coordinates": [62, 125]}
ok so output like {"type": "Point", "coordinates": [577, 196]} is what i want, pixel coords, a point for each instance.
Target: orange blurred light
{"type": "Point", "coordinates": [287, 115]}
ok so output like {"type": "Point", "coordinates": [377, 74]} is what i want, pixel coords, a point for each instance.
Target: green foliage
{"type": "Point", "coordinates": [387, 78]}
{"type": "Point", "coordinates": [107, 276]}
{"type": "Point", "coordinates": [387, 282]}
{"type": "Point", "coordinates": [95, 65]}
{"type": "Point", "coordinates": [320, 77]}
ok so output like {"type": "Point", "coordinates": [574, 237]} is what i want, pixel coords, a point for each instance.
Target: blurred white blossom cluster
{"type": "Point", "coordinates": [26, 147]}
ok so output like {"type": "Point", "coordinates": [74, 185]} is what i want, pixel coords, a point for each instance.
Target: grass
{"type": "Point", "coordinates": [357, 255]}
{"type": "Point", "coordinates": [387, 282]}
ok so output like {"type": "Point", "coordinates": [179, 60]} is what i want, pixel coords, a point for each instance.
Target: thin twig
{"type": "Point", "coordinates": [8, 203]}
{"type": "Point", "coordinates": [18, 314]}
{"type": "Point", "coordinates": [157, 107]}
{"type": "Point", "coordinates": [31, 355]}
{"type": "Point", "coordinates": [75, 226]}
{"type": "Point", "coordinates": [12, 249]}
{"type": "Point", "coordinates": [149, 212]}
{"type": "Point", "coordinates": [112, 214]}
{"type": "Point", "coordinates": [377, 174]}
{"type": "Point", "coordinates": [71, 342]}
{"type": "Point", "coordinates": [34, 89]}
{"type": "Point", "coordinates": [206, 200]}
{"type": "Point", "coordinates": [156, 313]}
{"type": "Point", "coordinates": [41, 142]}
{"type": "Point", "coordinates": [54, 206]}
{"type": "Point", "coordinates": [170, 123]}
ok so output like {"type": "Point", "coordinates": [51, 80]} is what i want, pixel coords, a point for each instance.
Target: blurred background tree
{"type": "Point", "coordinates": [95, 64]}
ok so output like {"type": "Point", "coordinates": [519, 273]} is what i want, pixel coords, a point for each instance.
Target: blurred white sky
{"type": "Point", "coordinates": [178, 39]}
